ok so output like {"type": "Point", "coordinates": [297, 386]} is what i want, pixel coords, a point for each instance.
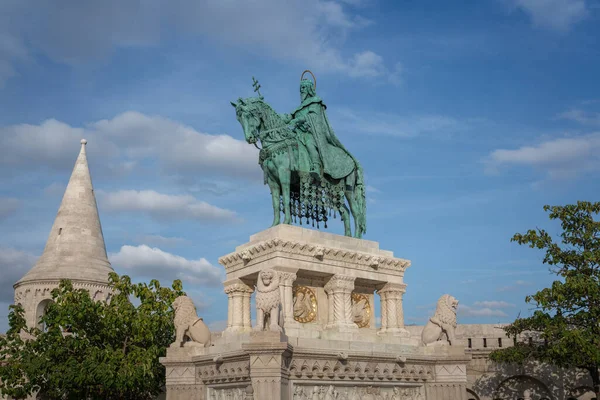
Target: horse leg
{"type": "Point", "coordinates": [354, 210]}
{"type": "Point", "coordinates": [285, 178]}
{"type": "Point", "coordinates": [275, 193]}
{"type": "Point", "coordinates": [345, 215]}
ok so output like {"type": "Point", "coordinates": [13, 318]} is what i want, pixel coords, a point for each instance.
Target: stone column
{"type": "Point", "coordinates": [238, 307]}
{"type": "Point", "coordinates": [246, 309]}
{"type": "Point", "coordinates": [339, 290]}
{"type": "Point", "coordinates": [286, 281]}
{"type": "Point", "coordinates": [392, 314]}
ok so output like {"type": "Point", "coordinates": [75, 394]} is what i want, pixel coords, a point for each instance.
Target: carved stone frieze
{"type": "Point", "coordinates": [359, 371]}
{"type": "Point", "coordinates": [235, 393]}
{"type": "Point", "coordinates": [312, 251]}
{"type": "Point", "coordinates": [331, 392]}
{"type": "Point", "coordinates": [227, 372]}
{"type": "Point", "coordinates": [451, 373]}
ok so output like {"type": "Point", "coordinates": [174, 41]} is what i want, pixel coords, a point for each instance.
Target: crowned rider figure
{"type": "Point", "coordinates": [311, 125]}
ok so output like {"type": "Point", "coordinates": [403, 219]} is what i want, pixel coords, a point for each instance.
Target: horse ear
{"type": "Point", "coordinates": [241, 101]}
{"type": "Point", "coordinates": [233, 104]}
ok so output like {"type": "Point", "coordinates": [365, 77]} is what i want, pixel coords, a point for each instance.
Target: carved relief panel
{"type": "Point", "coordinates": [305, 304]}
{"type": "Point", "coordinates": [361, 310]}
{"type": "Point", "coordinates": [331, 392]}
{"type": "Point", "coordinates": [237, 393]}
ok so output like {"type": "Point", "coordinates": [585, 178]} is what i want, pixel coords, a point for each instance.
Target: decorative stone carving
{"type": "Point", "coordinates": [331, 392]}
{"type": "Point", "coordinates": [189, 325]}
{"type": "Point", "coordinates": [225, 372]}
{"type": "Point", "coordinates": [451, 373]}
{"type": "Point", "coordinates": [246, 256]}
{"type": "Point", "coordinates": [361, 310]}
{"type": "Point", "coordinates": [268, 301]}
{"type": "Point", "coordinates": [319, 253]}
{"type": "Point", "coordinates": [440, 328]}
{"type": "Point", "coordinates": [320, 370]}
{"type": "Point", "coordinates": [360, 259]}
{"type": "Point", "coordinates": [305, 304]}
{"type": "Point", "coordinates": [227, 394]}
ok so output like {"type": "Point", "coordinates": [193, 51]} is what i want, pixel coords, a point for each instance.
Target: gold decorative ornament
{"type": "Point", "coordinates": [361, 310]}
{"type": "Point", "coordinates": [305, 304]}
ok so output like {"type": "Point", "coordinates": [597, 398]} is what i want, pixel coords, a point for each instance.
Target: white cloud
{"type": "Point", "coordinates": [123, 141]}
{"type": "Point", "coordinates": [307, 31]}
{"type": "Point", "coordinates": [162, 241]}
{"type": "Point", "coordinates": [581, 117]}
{"type": "Point", "coordinates": [13, 265]}
{"type": "Point", "coordinates": [8, 206]}
{"type": "Point", "coordinates": [493, 304]}
{"type": "Point", "coordinates": [559, 158]}
{"type": "Point", "coordinates": [154, 263]}
{"type": "Point", "coordinates": [468, 311]}
{"type": "Point", "coordinates": [558, 15]}
{"type": "Point", "coordinates": [161, 205]}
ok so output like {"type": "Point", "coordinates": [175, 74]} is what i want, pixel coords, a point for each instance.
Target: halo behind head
{"type": "Point", "coordinates": [313, 76]}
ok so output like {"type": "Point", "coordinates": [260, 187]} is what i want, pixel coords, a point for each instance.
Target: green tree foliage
{"type": "Point", "coordinates": [92, 349]}
{"type": "Point", "coordinates": [566, 319]}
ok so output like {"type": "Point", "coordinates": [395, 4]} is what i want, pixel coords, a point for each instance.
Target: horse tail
{"type": "Point", "coordinates": [361, 197]}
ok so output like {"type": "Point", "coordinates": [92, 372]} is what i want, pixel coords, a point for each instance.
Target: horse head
{"type": "Point", "coordinates": [248, 115]}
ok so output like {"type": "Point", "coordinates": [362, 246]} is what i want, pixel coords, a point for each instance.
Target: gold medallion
{"type": "Point", "coordinates": [361, 310]}
{"type": "Point", "coordinates": [305, 304]}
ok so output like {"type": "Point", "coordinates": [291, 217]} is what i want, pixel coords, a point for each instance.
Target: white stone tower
{"type": "Point", "coordinates": [75, 248]}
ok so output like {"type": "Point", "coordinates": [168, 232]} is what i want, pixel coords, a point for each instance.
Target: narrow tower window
{"type": "Point", "coordinates": [484, 342]}
{"type": "Point", "coordinates": [59, 231]}
{"type": "Point", "coordinates": [470, 343]}
{"type": "Point", "coordinates": [499, 342]}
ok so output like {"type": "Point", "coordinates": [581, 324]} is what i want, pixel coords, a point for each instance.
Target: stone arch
{"type": "Point", "coordinates": [40, 311]}
{"type": "Point", "coordinates": [582, 393]}
{"type": "Point", "coordinates": [471, 395]}
{"type": "Point", "coordinates": [514, 386]}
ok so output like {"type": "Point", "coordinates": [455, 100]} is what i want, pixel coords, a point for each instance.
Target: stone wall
{"type": "Point", "coordinates": [490, 381]}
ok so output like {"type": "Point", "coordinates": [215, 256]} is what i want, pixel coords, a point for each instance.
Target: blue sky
{"type": "Point", "coordinates": [467, 118]}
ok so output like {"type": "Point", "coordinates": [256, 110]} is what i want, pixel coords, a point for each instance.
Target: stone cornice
{"type": "Point", "coordinates": [313, 253]}
{"type": "Point", "coordinates": [56, 282]}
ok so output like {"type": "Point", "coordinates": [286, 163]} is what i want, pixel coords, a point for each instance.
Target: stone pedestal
{"type": "Point", "coordinates": [181, 382]}
{"type": "Point", "coordinates": [330, 347]}
{"type": "Point", "coordinates": [269, 354]}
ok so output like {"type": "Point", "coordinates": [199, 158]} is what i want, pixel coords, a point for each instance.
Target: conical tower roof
{"type": "Point", "coordinates": [75, 248]}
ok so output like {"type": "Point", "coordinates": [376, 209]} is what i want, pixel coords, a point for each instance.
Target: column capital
{"type": "Point", "coordinates": [338, 282]}
{"type": "Point", "coordinates": [392, 288]}
{"type": "Point", "coordinates": [286, 278]}
{"type": "Point", "coordinates": [237, 286]}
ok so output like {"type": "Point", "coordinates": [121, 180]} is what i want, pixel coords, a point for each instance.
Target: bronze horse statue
{"type": "Point", "coordinates": [301, 192]}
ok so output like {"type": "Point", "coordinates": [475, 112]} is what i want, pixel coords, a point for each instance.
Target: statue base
{"type": "Point", "coordinates": [331, 346]}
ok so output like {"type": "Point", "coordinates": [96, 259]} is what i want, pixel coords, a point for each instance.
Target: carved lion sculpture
{"type": "Point", "coordinates": [188, 324]}
{"type": "Point", "coordinates": [440, 328]}
{"type": "Point", "coordinates": [268, 301]}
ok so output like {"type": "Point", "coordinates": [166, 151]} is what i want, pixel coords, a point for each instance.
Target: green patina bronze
{"type": "Point", "coordinates": [309, 171]}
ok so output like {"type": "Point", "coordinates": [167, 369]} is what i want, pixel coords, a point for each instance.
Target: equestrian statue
{"type": "Point", "coordinates": [309, 171]}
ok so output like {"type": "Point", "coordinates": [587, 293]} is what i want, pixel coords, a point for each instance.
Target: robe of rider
{"type": "Point", "coordinates": [337, 162]}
